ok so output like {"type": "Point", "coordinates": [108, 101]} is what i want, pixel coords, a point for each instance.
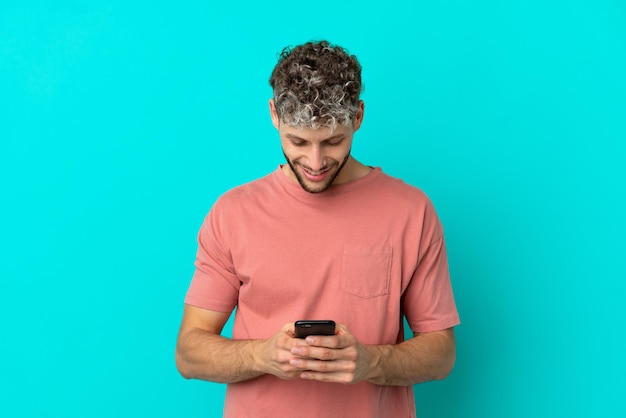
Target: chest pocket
{"type": "Point", "coordinates": [366, 269]}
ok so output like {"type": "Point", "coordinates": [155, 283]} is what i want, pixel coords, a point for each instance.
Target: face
{"type": "Point", "coordinates": [318, 158]}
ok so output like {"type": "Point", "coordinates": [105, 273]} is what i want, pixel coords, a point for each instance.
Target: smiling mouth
{"type": "Point", "coordinates": [316, 173]}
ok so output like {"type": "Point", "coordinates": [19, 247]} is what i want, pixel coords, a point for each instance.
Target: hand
{"type": "Point", "coordinates": [338, 358]}
{"type": "Point", "coordinates": [274, 355]}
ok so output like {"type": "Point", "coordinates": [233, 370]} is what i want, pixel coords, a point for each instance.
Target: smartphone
{"type": "Point", "coordinates": [304, 328]}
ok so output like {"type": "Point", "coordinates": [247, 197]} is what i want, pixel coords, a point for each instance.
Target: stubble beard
{"type": "Point", "coordinates": [325, 185]}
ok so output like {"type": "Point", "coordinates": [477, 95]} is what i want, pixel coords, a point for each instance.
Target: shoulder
{"type": "Point", "coordinates": [409, 204]}
{"type": "Point", "coordinates": [238, 203]}
{"type": "Point", "coordinates": [251, 190]}
{"type": "Point", "coordinates": [397, 189]}
{"type": "Point", "coordinates": [247, 199]}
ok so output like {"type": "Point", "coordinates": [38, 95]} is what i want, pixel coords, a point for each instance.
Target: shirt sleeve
{"type": "Point", "coordinates": [428, 300]}
{"type": "Point", "coordinates": [214, 285]}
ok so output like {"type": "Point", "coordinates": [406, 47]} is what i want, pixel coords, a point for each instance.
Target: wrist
{"type": "Point", "coordinates": [256, 361]}
{"type": "Point", "coordinates": [376, 356]}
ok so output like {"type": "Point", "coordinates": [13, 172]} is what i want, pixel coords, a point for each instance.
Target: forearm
{"type": "Point", "coordinates": [425, 357]}
{"type": "Point", "coordinates": [207, 356]}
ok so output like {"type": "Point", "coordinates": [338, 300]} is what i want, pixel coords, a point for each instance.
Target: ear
{"type": "Point", "coordinates": [274, 115]}
{"type": "Point", "coordinates": [358, 118]}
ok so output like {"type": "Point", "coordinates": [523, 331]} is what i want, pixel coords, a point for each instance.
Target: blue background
{"type": "Point", "coordinates": [122, 122]}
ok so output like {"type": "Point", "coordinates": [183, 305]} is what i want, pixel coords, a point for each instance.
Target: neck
{"type": "Point", "coordinates": [353, 170]}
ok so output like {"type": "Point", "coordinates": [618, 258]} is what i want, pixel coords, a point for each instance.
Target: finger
{"type": "Point", "coordinates": [331, 341]}
{"type": "Point", "coordinates": [341, 327]}
{"type": "Point", "coordinates": [334, 377]}
{"type": "Point", "coordinates": [318, 353]}
{"type": "Point", "coordinates": [289, 328]}
{"type": "Point", "coordinates": [321, 366]}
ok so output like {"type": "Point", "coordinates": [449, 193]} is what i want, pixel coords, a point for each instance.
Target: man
{"type": "Point", "coordinates": [322, 237]}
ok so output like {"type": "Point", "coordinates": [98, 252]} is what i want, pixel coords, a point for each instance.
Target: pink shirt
{"type": "Point", "coordinates": [365, 254]}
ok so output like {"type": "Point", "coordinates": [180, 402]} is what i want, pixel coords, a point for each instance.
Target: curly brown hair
{"type": "Point", "coordinates": [316, 84]}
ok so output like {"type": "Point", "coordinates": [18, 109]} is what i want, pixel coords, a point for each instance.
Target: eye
{"type": "Point", "coordinates": [335, 142]}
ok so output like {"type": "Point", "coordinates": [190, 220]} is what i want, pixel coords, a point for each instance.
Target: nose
{"type": "Point", "coordinates": [316, 158]}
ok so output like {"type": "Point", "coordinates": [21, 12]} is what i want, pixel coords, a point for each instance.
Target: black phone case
{"type": "Point", "coordinates": [305, 328]}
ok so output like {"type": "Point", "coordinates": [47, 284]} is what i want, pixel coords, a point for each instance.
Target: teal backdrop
{"type": "Point", "coordinates": [121, 122]}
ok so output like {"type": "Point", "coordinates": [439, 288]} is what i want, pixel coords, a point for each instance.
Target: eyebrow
{"type": "Point", "coordinates": [330, 138]}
